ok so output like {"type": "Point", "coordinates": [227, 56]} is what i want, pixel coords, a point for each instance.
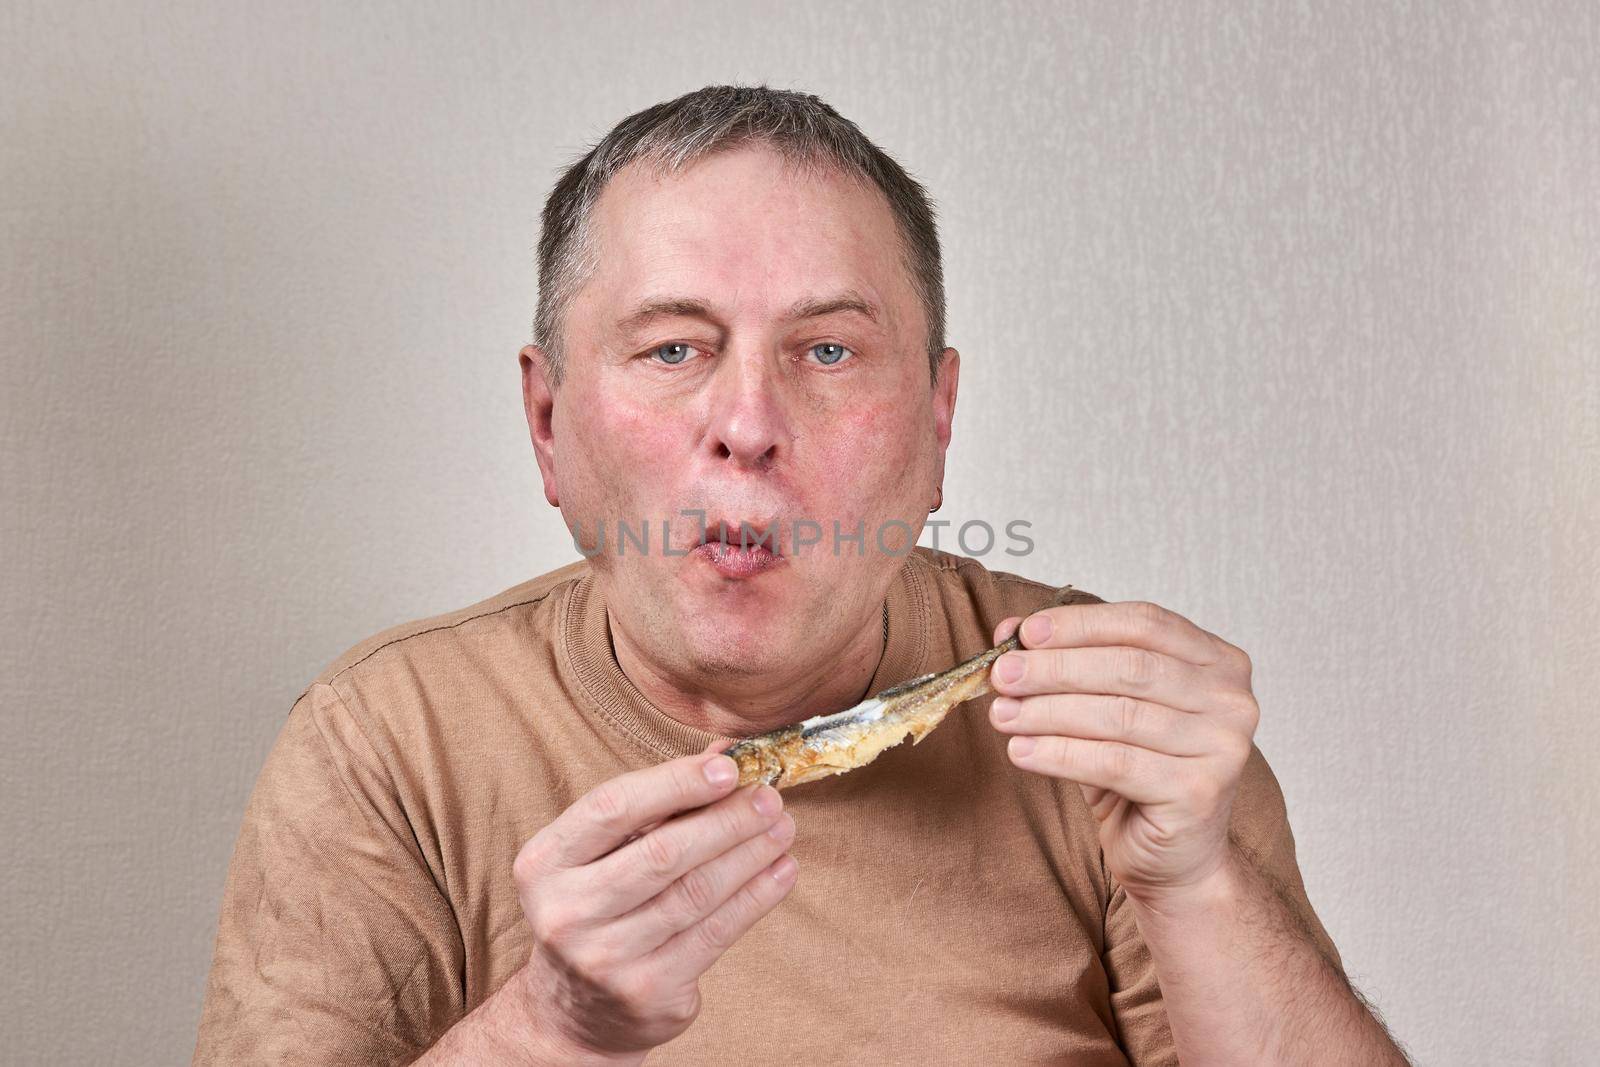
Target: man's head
{"type": "Point", "coordinates": [740, 314]}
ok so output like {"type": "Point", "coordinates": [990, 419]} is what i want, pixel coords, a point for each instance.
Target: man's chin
{"type": "Point", "coordinates": [727, 667]}
{"type": "Point", "coordinates": [737, 645]}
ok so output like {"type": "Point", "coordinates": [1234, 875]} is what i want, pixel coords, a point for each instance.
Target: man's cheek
{"type": "Point", "coordinates": [889, 425]}
{"type": "Point", "coordinates": [644, 448]}
{"type": "Point", "coordinates": [883, 436]}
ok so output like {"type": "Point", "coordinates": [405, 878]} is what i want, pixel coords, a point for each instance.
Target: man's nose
{"type": "Point", "coordinates": [748, 417]}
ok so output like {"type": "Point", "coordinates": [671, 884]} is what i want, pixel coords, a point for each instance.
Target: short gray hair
{"type": "Point", "coordinates": [671, 135]}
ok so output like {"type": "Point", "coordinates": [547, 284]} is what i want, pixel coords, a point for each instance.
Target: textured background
{"type": "Point", "coordinates": [1286, 318]}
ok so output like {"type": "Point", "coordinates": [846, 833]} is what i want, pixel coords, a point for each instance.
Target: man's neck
{"type": "Point", "coordinates": [837, 682]}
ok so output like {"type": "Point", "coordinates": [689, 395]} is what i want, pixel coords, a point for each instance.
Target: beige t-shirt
{"type": "Point", "coordinates": [950, 907]}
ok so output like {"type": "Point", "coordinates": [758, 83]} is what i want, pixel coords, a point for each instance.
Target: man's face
{"type": "Point", "coordinates": [745, 396]}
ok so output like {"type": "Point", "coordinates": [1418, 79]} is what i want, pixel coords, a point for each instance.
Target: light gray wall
{"type": "Point", "coordinates": [1283, 316]}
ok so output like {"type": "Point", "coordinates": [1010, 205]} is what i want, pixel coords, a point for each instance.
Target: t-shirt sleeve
{"type": "Point", "coordinates": [1259, 824]}
{"type": "Point", "coordinates": [335, 944]}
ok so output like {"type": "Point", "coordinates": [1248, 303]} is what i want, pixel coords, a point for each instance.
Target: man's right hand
{"type": "Point", "coordinates": [634, 891]}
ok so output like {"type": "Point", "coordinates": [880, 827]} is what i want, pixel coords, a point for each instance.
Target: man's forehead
{"type": "Point", "coordinates": [745, 193]}
{"type": "Point", "coordinates": [745, 222]}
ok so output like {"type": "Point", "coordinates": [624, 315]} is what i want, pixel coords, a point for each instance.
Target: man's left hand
{"type": "Point", "coordinates": [1150, 714]}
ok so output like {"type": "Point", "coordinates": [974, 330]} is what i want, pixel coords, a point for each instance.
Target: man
{"type": "Point", "coordinates": [504, 834]}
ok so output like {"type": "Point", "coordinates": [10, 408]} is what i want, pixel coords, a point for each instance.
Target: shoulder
{"type": "Point", "coordinates": [526, 602]}
{"type": "Point", "coordinates": [449, 670]}
{"type": "Point", "coordinates": [414, 696]}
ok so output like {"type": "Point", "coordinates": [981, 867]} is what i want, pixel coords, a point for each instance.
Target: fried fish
{"type": "Point", "coordinates": [833, 744]}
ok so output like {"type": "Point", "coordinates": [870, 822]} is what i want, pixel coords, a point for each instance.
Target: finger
{"type": "Point", "coordinates": [716, 744]}
{"type": "Point", "coordinates": [640, 832]}
{"type": "Point", "coordinates": [608, 814]}
{"type": "Point", "coordinates": [1007, 627]}
{"type": "Point", "coordinates": [1138, 774]}
{"type": "Point", "coordinates": [1136, 623]}
{"type": "Point", "coordinates": [1134, 672]}
{"type": "Point", "coordinates": [1097, 716]}
{"type": "Point", "coordinates": [632, 875]}
{"type": "Point", "coordinates": [686, 955]}
{"type": "Point", "coordinates": [702, 890]}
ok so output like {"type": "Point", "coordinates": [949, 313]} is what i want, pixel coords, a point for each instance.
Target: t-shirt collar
{"type": "Point", "coordinates": [587, 651]}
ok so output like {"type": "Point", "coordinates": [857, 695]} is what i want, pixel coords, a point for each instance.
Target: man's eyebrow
{"type": "Point", "coordinates": [668, 307]}
{"type": "Point", "coordinates": [849, 300]}
{"type": "Point", "coordinates": [663, 308]}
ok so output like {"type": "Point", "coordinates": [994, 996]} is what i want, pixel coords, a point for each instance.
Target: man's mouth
{"type": "Point", "coordinates": [739, 548]}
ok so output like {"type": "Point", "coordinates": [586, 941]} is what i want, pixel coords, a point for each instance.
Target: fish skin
{"type": "Point", "coordinates": [833, 744]}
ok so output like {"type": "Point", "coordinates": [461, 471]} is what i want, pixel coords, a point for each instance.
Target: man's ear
{"type": "Point", "coordinates": [539, 401]}
{"type": "Point", "coordinates": [944, 395]}
{"type": "Point", "coordinates": [944, 411]}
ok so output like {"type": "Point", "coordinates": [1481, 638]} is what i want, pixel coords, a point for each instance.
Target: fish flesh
{"type": "Point", "coordinates": [833, 744]}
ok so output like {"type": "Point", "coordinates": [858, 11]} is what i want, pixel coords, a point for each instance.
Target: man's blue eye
{"type": "Point", "coordinates": [674, 352]}
{"type": "Point", "coordinates": [828, 353]}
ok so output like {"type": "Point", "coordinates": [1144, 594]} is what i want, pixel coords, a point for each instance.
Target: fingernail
{"type": "Point", "coordinates": [1036, 629]}
{"type": "Point", "coordinates": [721, 770]}
{"type": "Point", "coordinates": [1010, 667]}
{"type": "Point", "coordinates": [1006, 708]}
{"type": "Point", "coordinates": [783, 870]}
{"type": "Point", "coordinates": [782, 828]}
{"type": "Point", "coordinates": [766, 801]}
{"type": "Point", "coordinates": [1021, 747]}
